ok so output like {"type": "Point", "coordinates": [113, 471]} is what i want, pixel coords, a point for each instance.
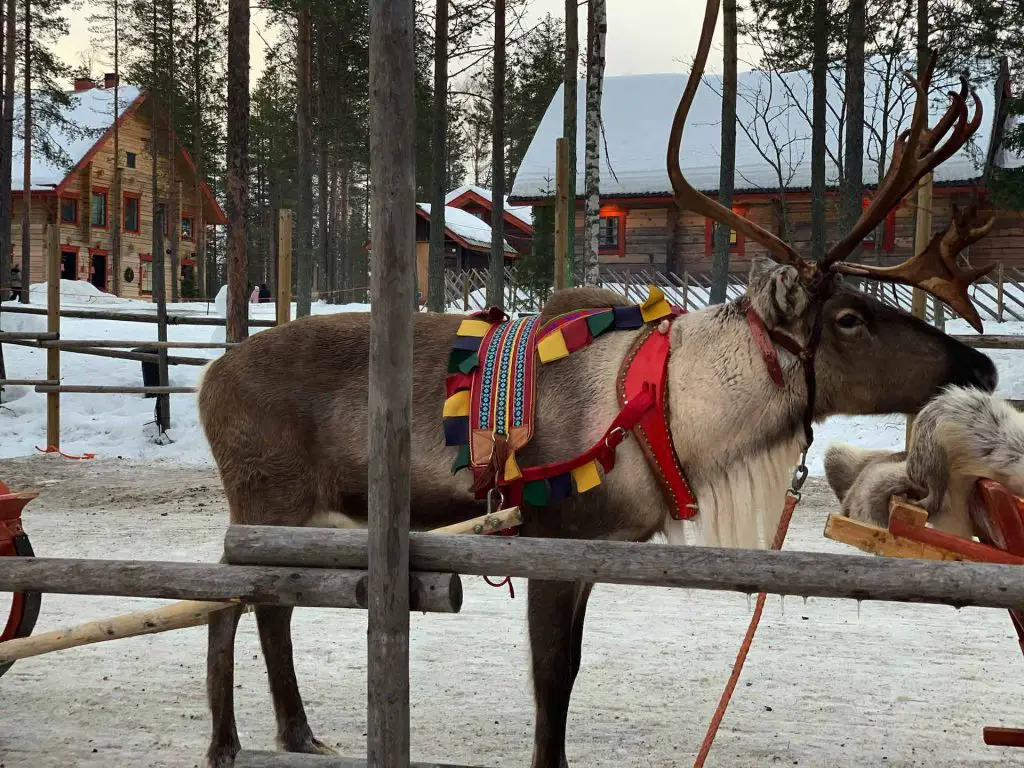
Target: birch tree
{"type": "Point", "coordinates": [6, 150]}
{"type": "Point", "coordinates": [496, 278]}
{"type": "Point", "coordinates": [435, 267]}
{"type": "Point", "coordinates": [572, 52]}
{"type": "Point", "coordinates": [597, 28]}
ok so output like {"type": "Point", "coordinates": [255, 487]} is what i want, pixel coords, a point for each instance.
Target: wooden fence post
{"type": "Point", "coordinates": [52, 326]}
{"type": "Point", "coordinates": [163, 401]}
{"type": "Point", "coordinates": [392, 307]}
{"type": "Point", "coordinates": [922, 235]}
{"type": "Point", "coordinates": [284, 266]}
{"type": "Point", "coordinates": [562, 222]}
{"type": "Point", "coordinates": [999, 293]}
{"type": "Point", "coordinates": [686, 290]}
{"type": "Point", "coordinates": [465, 291]}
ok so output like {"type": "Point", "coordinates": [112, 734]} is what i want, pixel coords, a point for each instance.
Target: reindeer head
{"type": "Point", "coordinates": [917, 152]}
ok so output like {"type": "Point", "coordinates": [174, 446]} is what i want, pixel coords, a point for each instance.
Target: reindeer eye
{"type": "Point", "coordinates": [849, 320]}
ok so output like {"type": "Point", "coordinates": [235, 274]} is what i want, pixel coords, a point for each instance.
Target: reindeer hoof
{"type": "Point", "coordinates": [304, 743]}
{"type": "Point", "coordinates": [221, 756]}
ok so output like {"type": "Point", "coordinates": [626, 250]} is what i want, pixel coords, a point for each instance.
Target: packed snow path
{"type": "Point", "coordinates": [827, 682]}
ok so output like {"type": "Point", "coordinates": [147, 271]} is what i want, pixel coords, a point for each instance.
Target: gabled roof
{"type": "Point", "coordinates": [465, 228]}
{"type": "Point", "coordinates": [91, 113]}
{"type": "Point", "coordinates": [519, 215]}
{"type": "Point", "coordinates": [637, 112]}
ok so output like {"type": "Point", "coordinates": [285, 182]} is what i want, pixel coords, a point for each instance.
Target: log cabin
{"type": "Point", "coordinates": [640, 226]}
{"type": "Point", "coordinates": [76, 195]}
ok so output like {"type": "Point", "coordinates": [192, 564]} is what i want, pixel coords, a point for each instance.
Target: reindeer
{"type": "Point", "coordinates": [961, 436]}
{"type": "Point", "coordinates": [285, 414]}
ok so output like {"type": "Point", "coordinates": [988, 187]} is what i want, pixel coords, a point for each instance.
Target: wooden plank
{"type": "Point", "coordinates": [879, 541]}
{"type": "Point", "coordinates": [86, 389]}
{"type": "Point", "coordinates": [970, 549]}
{"type": "Point", "coordinates": [257, 759]}
{"type": "Point", "coordinates": [312, 587]}
{"type": "Point", "coordinates": [284, 266]}
{"type": "Point", "coordinates": [749, 571]}
{"type": "Point", "coordinates": [392, 303]}
{"type": "Point", "coordinates": [991, 341]}
{"type": "Point", "coordinates": [26, 336]}
{"type": "Point", "coordinates": [25, 382]}
{"type": "Point", "coordinates": [53, 326]}
{"type": "Point", "coordinates": [115, 343]}
{"type": "Point", "coordinates": [142, 357]}
{"type": "Point", "coordinates": [901, 509]}
{"type": "Point", "coordinates": [1003, 737]}
{"type": "Point", "coordinates": [130, 317]}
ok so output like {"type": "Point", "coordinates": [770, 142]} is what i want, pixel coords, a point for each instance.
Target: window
{"type": "Point", "coordinates": [186, 228]}
{"type": "Point", "coordinates": [129, 159]}
{"type": "Point", "coordinates": [737, 242]}
{"type": "Point", "coordinates": [131, 213]}
{"type": "Point", "coordinates": [611, 232]}
{"type": "Point", "coordinates": [98, 208]}
{"type": "Point", "coordinates": [69, 210]}
{"type": "Point", "coordinates": [145, 273]}
{"type": "Point", "coordinates": [888, 230]}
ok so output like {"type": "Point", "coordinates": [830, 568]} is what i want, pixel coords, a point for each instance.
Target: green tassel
{"type": "Point", "coordinates": [536, 493]}
{"type": "Point", "coordinates": [598, 324]}
{"type": "Point", "coordinates": [469, 363]}
{"type": "Point", "coordinates": [461, 459]}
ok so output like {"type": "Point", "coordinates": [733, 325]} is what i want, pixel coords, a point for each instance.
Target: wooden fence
{"type": "Point", "coordinates": [999, 296]}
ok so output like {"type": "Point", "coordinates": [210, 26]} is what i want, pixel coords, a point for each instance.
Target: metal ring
{"type": "Point", "coordinates": [490, 497]}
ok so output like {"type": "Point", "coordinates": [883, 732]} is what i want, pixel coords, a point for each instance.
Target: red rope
{"type": "Point", "coordinates": [503, 582]}
{"type": "Point", "coordinates": [55, 449]}
{"type": "Point", "coordinates": [723, 702]}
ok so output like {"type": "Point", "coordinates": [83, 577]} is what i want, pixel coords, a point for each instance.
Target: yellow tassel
{"type": "Point", "coordinates": [656, 306]}
{"type": "Point", "coordinates": [586, 477]}
{"type": "Point", "coordinates": [473, 327]}
{"type": "Point", "coordinates": [552, 347]}
{"type": "Point", "coordinates": [512, 468]}
{"type": "Point", "coordinates": [457, 404]}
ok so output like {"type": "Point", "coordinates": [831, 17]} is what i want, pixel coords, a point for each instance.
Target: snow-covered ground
{"type": "Point", "coordinates": [121, 425]}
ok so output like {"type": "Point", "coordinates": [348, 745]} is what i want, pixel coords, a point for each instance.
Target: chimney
{"type": "Point", "coordinates": [84, 84]}
{"type": "Point", "coordinates": [109, 80]}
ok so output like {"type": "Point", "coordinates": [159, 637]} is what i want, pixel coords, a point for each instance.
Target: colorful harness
{"type": "Point", "coordinates": [490, 388]}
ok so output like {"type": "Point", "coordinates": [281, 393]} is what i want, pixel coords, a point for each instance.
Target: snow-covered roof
{"type": "Point", "coordinates": [523, 213]}
{"type": "Point", "coordinates": [637, 112]}
{"type": "Point", "coordinates": [463, 224]}
{"type": "Point", "coordinates": [91, 112]}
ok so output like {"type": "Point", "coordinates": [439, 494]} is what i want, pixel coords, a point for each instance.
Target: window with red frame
{"type": "Point", "coordinates": [69, 210]}
{"type": "Point", "coordinates": [888, 230]}
{"type": "Point", "coordinates": [186, 227]}
{"type": "Point", "coordinates": [132, 213]}
{"type": "Point", "coordinates": [611, 233]}
{"type": "Point", "coordinates": [145, 273]}
{"type": "Point", "coordinates": [737, 242]}
{"type": "Point", "coordinates": [98, 208]}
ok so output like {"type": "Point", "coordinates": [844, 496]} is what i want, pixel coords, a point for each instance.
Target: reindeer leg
{"type": "Point", "coordinates": [220, 685]}
{"type": "Point", "coordinates": [556, 611]}
{"type": "Point", "coordinates": [293, 732]}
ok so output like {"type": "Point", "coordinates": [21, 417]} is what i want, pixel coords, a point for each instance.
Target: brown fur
{"type": "Point", "coordinates": [285, 415]}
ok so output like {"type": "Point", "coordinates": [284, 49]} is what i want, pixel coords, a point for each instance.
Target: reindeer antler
{"type": "Point", "coordinates": [689, 198]}
{"type": "Point", "coordinates": [935, 269]}
{"type": "Point", "coordinates": [915, 154]}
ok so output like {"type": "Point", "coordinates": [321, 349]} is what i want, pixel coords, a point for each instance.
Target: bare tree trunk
{"type": "Point", "coordinates": [572, 53]}
{"type": "Point", "coordinates": [727, 171]}
{"type": "Point", "coordinates": [322, 180]}
{"type": "Point", "coordinates": [304, 250]}
{"type": "Point", "coordinates": [853, 183]}
{"type": "Point", "coordinates": [115, 211]}
{"type": "Point", "coordinates": [174, 214]}
{"type": "Point", "coordinates": [496, 283]}
{"type": "Point", "coordinates": [237, 167]}
{"type": "Point", "coordinates": [197, 134]}
{"type": "Point", "coordinates": [26, 194]}
{"type": "Point", "coordinates": [435, 265]}
{"type": "Point", "coordinates": [818, 76]}
{"type": "Point", "coordinates": [6, 145]}
{"type": "Point", "coordinates": [597, 29]}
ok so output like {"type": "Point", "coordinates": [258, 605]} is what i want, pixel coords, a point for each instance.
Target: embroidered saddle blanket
{"type": "Point", "coordinates": [491, 395]}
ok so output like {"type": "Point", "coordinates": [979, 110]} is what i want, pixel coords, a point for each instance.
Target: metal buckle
{"type": "Point", "coordinates": [491, 509]}
{"type": "Point", "coordinates": [799, 475]}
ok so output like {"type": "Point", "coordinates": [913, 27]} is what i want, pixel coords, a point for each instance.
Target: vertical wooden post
{"type": "Point", "coordinates": [686, 290]}
{"type": "Point", "coordinates": [52, 326]}
{"type": "Point", "coordinates": [284, 266]}
{"type": "Point", "coordinates": [999, 294]}
{"type": "Point", "coordinates": [465, 291]}
{"type": "Point", "coordinates": [562, 223]}
{"type": "Point", "coordinates": [922, 235]}
{"type": "Point", "coordinates": [392, 286]}
{"type": "Point", "coordinates": [163, 402]}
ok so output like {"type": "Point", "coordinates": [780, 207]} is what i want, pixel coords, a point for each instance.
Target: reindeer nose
{"type": "Point", "coordinates": [971, 368]}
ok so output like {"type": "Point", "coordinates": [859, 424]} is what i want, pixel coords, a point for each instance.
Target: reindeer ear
{"type": "Point", "coordinates": [760, 268]}
{"type": "Point", "coordinates": [844, 464]}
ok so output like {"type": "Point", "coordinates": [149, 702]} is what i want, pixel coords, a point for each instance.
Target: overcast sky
{"type": "Point", "coordinates": [643, 35]}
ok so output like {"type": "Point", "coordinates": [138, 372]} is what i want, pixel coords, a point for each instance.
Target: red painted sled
{"type": "Point", "coordinates": [14, 543]}
{"type": "Point", "coordinates": [1001, 540]}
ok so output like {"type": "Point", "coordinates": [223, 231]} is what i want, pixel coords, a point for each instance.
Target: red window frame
{"type": "Point", "coordinates": [145, 265]}
{"type": "Point", "coordinates": [104, 192]}
{"type": "Point", "coordinates": [610, 212]}
{"type": "Point", "coordinates": [888, 233]}
{"type": "Point", "coordinates": [738, 248]}
{"type": "Point", "coordinates": [68, 197]}
{"type": "Point", "coordinates": [138, 212]}
{"type": "Point", "coordinates": [189, 216]}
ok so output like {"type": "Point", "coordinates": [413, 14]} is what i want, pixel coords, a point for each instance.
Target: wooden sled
{"type": "Point", "coordinates": [1001, 540]}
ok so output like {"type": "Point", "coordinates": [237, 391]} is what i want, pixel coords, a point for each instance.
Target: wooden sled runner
{"type": "Point", "coordinates": [24, 610]}
{"type": "Point", "coordinates": [1001, 534]}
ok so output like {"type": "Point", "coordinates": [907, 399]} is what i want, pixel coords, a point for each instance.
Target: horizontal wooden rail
{"type": "Point", "coordinates": [68, 344]}
{"type": "Point", "coordinates": [993, 341]}
{"type": "Point", "coordinates": [86, 389]}
{"type": "Point", "coordinates": [256, 759]}
{"type": "Point", "coordinates": [7, 336]}
{"type": "Point", "coordinates": [132, 317]}
{"type": "Point", "coordinates": [26, 382]}
{"type": "Point", "coordinates": [119, 354]}
{"type": "Point", "coordinates": [807, 574]}
{"type": "Point", "coordinates": [313, 587]}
